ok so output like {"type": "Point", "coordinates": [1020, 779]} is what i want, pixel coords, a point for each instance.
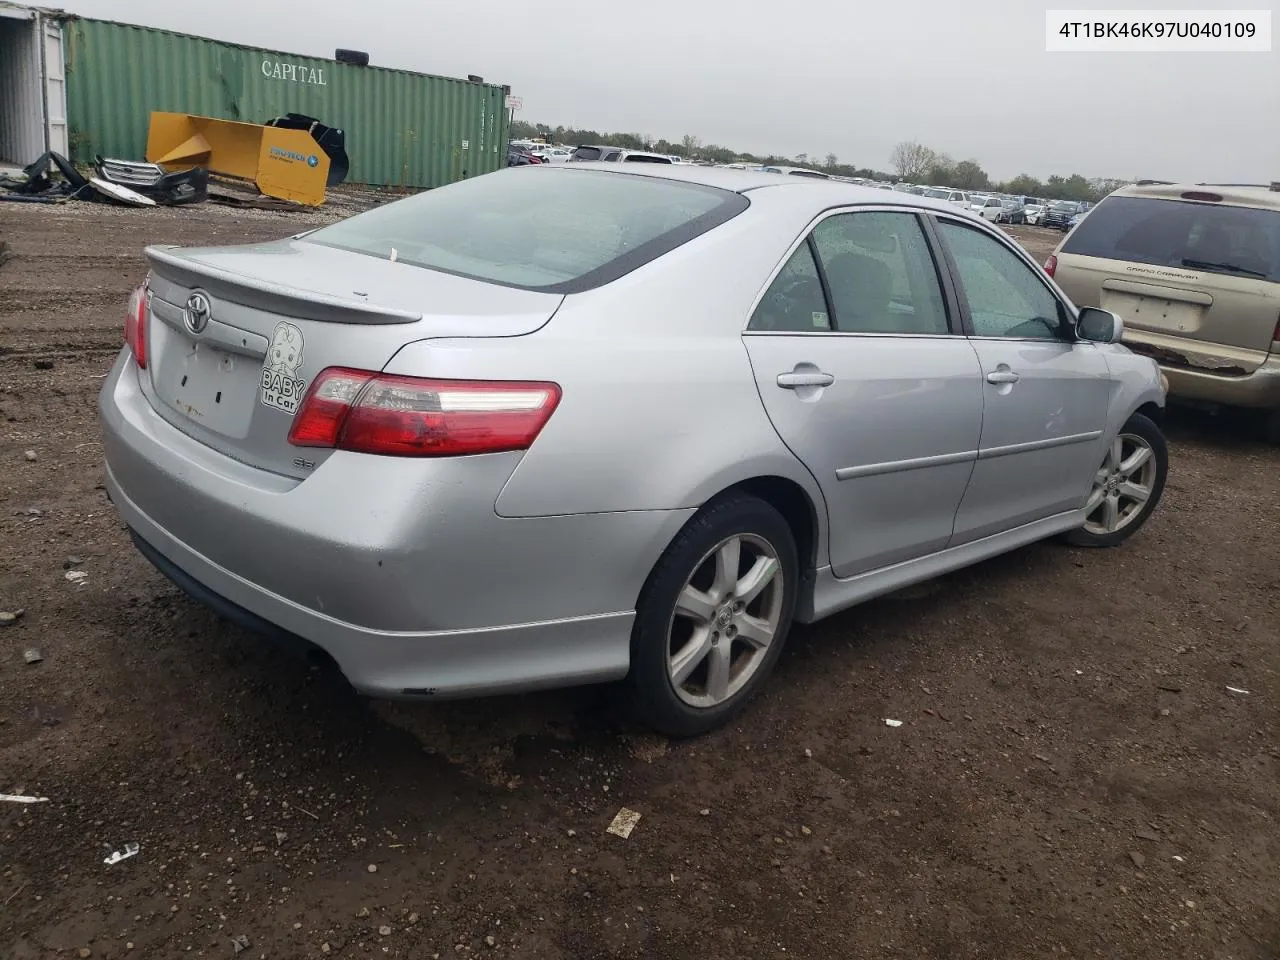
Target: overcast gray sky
{"type": "Point", "coordinates": [972, 80]}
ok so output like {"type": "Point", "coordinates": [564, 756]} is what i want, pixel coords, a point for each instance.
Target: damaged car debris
{"type": "Point", "coordinates": [52, 178]}
{"type": "Point", "coordinates": [150, 180]}
{"type": "Point", "coordinates": [192, 159]}
{"type": "Point", "coordinates": [40, 184]}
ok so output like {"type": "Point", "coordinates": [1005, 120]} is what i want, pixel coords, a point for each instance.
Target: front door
{"type": "Point", "coordinates": [866, 383]}
{"type": "Point", "coordinates": [1045, 395]}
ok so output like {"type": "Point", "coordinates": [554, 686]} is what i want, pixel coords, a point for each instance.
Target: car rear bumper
{"type": "Point", "coordinates": [1197, 372]}
{"type": "Point", "coordinates": [1261, 388]}
{"type": "Point", "coordinates": [397, 568]}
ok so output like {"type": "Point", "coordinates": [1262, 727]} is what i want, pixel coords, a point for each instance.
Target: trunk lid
{"type": "Point", "coordinates": [236, 334]}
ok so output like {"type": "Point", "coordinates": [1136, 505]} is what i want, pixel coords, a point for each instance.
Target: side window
{"type": "Point", "coordinates": [1006, 298]}
{"type": "Point", "coordinates": [880, 273]}
{"type": "Point", "coordinates": [794, 302]}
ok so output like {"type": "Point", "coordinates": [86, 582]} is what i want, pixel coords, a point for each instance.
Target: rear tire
{"type": "Point", "coordinates": [1127, 487]}
{"type": "Point", "coordinates": [713, 616]}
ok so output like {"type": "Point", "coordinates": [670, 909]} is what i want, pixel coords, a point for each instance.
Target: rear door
{"type": "Point", "coordinates": [866, 382]}
{"type": "Point", "coordinates": [1045, 395]}
{"type": "Point", "coordinates": [1195, 281]}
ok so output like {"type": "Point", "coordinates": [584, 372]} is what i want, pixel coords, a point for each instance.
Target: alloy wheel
{"type": "Point", "coordinates": [725, 619]}
{"type": "Point", "coordinates": [1122, 486]}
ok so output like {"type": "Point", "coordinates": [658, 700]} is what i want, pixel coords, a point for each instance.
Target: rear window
{"type": "Point", "coordinates": [1209, 237]}
{"type": "Point", "coordinates": [587, 153]}
{"type": "Point", "coordinates": [540, 228]}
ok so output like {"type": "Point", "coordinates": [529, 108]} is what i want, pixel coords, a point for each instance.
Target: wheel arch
{"type": "Point", "coordinates": [1153, 412]}
{"type": "Point", "coordinates": [794, 503]}
{"type": "Point", "coordinates": [790, 499]}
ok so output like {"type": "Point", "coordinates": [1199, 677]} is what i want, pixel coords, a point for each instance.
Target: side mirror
{"type": "Point", "coordinates": [1099, 326]}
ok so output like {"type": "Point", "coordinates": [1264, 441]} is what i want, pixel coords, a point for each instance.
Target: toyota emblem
{"type": "Point", "coordinates": [198, 312]}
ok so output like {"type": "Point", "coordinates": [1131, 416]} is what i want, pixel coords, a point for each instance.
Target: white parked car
{"type": "Point", "coordinates": [1034, 211]}
{"type": "Point", "coordinates": [794, 171]}
{"type": "Point", "coordinates": [957, 197]}
{"type": "Point", "coordinates": [552, 154]}
{"type": "Point", "coordinates": [988, 208]}
{"type": "Point", "coordinates": [643, 156]}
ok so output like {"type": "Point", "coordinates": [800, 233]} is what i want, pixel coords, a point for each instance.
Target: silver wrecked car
{"type": "Point", "coordinates": [576, 423]}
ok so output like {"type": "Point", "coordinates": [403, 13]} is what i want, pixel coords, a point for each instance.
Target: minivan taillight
{"type": "Point", "coordinates": [135, 325]}
{"type": "Point", "coordinates": [368, 412]}
{"type": "Point", "coordinates": [1051, 265]}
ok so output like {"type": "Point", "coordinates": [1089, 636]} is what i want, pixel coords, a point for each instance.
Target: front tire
{"type": "Point", "coordinates": [1127, 487]}
{"type": "Point", "coordinates": [713, 616]}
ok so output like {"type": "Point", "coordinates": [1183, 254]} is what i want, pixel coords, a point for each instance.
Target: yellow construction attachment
{"type": "Point", "coordinates": [284, 163]}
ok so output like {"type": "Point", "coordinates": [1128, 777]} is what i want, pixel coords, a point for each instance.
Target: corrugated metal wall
{"type": "Point", "coordinates": [21, 97]}
{"type": "Point", "coordinates": [403, 129]}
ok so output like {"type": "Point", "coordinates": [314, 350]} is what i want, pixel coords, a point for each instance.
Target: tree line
{"type": "Point", "coordinates": [912, 162]}
{"type": "Point", "coordinates": [916, 163]}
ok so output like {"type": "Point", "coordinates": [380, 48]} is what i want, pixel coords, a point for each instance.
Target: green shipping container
{"type": "Point", "coordinates": [403, 129]}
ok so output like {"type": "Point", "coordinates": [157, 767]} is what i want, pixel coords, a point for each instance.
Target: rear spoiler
{"type": "Point", "coordinates": [180, 268]}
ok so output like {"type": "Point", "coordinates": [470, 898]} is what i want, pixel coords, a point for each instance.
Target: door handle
{"type": "Point", "coordinates": [790, 381]}
{"type": "Point", "coordinates": [1002, 376]}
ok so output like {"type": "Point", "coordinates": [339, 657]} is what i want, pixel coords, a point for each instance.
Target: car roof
{"type": "Point", "coordinates": [834, 192]}
{"type": "Point", "coordinates": [1264, 198]}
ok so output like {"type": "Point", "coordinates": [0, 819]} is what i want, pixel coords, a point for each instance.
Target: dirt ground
{"type": "Point", "coordinates": [1072, 775]}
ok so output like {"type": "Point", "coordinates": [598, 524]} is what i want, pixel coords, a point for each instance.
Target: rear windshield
{"type": "Point", "coordinates": [560, 230]}
{"type": "Point", "coordinates": [1208, 237]}
{"type": "Point", "coordinates": [938, 194]}
{"type": "Point", "coordinates": [587, 153]}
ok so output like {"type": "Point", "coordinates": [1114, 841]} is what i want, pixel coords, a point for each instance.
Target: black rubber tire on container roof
{"type": "Point", "coordinates": [1145, 428]}
{"type": "Point", "coordinates": [358, 58]}
{"type": "Point", "coordinates": [652, 695]}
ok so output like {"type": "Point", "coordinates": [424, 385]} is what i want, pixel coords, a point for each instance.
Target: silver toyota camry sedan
{"type": "Point", "coordinates": [569, 424]}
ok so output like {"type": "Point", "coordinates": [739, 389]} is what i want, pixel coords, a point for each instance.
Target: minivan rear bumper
{"type": "Point", "coordinates": [399, 569]}
{"type": "Point", "coordinates": [1259, 388]}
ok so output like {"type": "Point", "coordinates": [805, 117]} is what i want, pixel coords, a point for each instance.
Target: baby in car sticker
{"type": "Point", "coordinates": [281, 386]}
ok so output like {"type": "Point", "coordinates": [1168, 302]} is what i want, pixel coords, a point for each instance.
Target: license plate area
{"type": "Point", "coordinates": [1154, 313]}
{"type": "Point", "coordinates": [211, 387]}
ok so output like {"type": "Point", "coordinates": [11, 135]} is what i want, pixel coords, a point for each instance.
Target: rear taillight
{"type": "Point", "coordinates": [135, 325]}
{"type": "Point", "coordinates": [1275, 334]}
{"type": "Point", "coordinates": [1051, 265]}
{"type": "Point", "coordinates": [398, 416]}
